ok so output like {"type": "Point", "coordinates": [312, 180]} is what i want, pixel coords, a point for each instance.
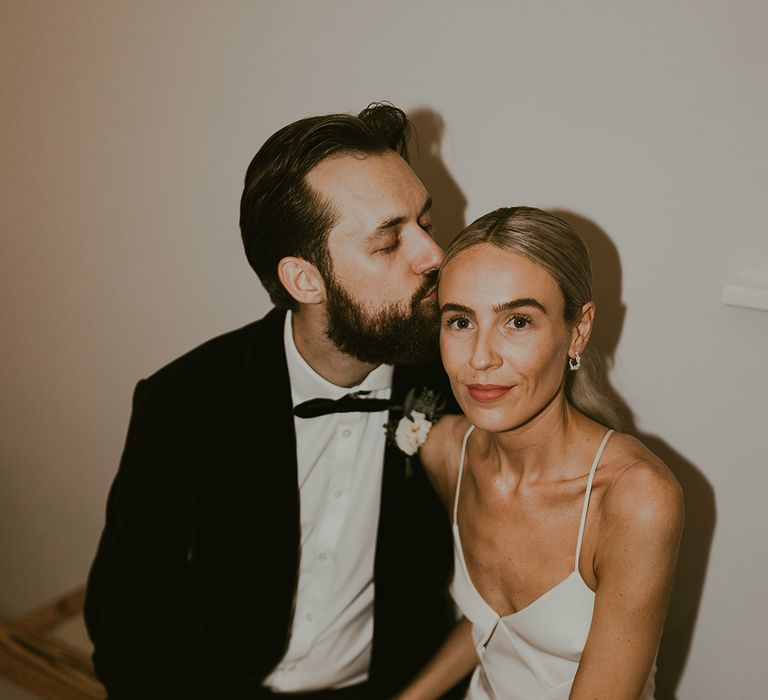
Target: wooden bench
{"type": "Point", "coordinates": [48, 652]}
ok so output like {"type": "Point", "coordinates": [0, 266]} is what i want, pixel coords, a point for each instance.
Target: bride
{"type": "Point", "coordinates": [565, 532]}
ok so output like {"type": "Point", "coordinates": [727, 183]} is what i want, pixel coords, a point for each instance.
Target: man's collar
{"type": "Point", "coordinates": [307, 384]}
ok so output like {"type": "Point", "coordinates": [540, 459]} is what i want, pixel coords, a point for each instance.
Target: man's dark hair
{"type": "Point", "coordinates": [280, 215]}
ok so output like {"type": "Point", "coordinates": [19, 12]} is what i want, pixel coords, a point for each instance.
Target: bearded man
{"type": "Point", "coordinates": [265, 537]}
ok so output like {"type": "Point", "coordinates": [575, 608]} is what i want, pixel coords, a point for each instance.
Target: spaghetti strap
{"type": "Point", "coordinates": [461, 469]}
{"type": "Point", "coordinates": [587, 494]}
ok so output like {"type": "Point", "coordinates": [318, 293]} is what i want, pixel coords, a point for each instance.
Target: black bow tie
{"type": "Point", "coordinates": [349, 403]}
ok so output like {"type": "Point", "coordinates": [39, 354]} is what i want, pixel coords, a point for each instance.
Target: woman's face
{"type": "Point", "coordinates": [503, 339]}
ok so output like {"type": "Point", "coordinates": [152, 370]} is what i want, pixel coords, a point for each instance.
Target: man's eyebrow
{"type": "Point", "coordinates": [396, 221]}
{"type": "Point", "coordinates": [517, 303]}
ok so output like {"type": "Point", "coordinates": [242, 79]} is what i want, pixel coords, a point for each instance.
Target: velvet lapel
{"type": "Point", "coordinates": [270, 458]}
{"type": "Point", "coordinates": [393, 480]}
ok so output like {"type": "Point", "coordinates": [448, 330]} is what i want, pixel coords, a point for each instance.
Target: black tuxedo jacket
{"type": "Point", "coordinates": [191, 591]}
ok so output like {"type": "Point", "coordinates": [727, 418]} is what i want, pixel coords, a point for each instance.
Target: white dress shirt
{"type": "Point", "coordinates": [340, 459]}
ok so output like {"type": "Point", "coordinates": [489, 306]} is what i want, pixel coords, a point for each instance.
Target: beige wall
{"type": "Point", "coordinates": [126, 130]}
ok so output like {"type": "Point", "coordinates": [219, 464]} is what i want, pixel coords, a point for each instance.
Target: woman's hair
{"type": "Point", "coordinates": [549, 241]}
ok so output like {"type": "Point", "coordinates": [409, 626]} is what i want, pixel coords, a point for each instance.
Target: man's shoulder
{"type": "Point", "coordinates": [219, 356]}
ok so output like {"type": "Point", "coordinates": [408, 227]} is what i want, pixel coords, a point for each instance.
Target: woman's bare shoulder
{"type": "Point", "coordinates": [642, 491]}
{"type": "Point", "coordinates": [443, 440]}
{"type": "Point", "coordinates": [442, 450]}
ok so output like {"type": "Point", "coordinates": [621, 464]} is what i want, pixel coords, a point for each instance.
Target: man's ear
{"type": "Point", "coordinates": [301, 280]}
{"type": "Point", "coordinates": [582, 329]}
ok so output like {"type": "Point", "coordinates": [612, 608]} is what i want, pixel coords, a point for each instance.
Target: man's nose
{"type": "Point", "coordinates": [428, 254]}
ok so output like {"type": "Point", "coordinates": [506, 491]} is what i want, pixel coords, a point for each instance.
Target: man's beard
{"type": "Point", "coordinates": [387, 336]}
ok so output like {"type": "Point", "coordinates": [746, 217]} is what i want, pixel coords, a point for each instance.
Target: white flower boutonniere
{"type": "Point", "coordinates": [420, 412]}
{"type": "Point", "coordinates": [412, 432]}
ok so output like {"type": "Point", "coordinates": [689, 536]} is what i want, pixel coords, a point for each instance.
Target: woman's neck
{"type": "Point", "coordinates": [538, 449]}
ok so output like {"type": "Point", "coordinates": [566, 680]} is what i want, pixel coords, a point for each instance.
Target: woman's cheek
{"type": "Point", "coordinates": [451, 353]}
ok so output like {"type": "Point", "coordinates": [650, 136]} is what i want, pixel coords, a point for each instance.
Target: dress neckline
{"type": "Point", "coordinates": [575, 573]}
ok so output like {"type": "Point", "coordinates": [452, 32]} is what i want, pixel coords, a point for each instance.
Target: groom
{"type": "Point", "coordinates": [264, 539]}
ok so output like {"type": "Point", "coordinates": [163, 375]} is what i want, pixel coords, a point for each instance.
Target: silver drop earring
{"type": "Point", "coordinates": [574, 362]}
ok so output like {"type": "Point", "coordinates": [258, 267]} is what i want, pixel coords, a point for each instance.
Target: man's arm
{"type": "Point", "coordinates": [136, 602]}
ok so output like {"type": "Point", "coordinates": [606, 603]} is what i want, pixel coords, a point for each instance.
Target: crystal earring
{"type": "Point", "coordinates": [574, 362]}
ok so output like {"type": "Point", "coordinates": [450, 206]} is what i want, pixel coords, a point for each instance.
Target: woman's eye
{"type": "Point", "coordinates": [459, 323]}
{"type": "Point", "coordinates": [520, 321]}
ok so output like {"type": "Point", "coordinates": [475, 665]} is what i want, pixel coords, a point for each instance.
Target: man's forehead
{"type": "Point", "coordinates": [353, 179]}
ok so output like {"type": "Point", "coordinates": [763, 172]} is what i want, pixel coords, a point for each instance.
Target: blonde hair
{"type": "Point", "coordinates": [551, 242]}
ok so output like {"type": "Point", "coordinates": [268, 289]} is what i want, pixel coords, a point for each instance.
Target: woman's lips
{"type": "Point", "coordinates": [487, 392]}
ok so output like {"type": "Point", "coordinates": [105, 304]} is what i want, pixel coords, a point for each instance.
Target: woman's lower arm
{"type": "Point", "coordinates": [453, 661]}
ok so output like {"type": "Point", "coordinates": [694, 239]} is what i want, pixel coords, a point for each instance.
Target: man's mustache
{"type": "Point", "coordinates": [430, 280]}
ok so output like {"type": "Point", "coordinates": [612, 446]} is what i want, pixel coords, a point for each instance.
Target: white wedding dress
{"type": "Point", "coordinates": [532, 654]}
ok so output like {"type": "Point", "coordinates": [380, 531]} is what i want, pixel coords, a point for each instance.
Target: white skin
{"type": "Point", "coordinates": [381, 247]}
{"type": "Point", "coordinates": [505, 345]}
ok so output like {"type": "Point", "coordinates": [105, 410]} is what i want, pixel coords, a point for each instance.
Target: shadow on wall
{"type": "Point", "coordinates": [700, 512]}
{"type": "Point", "coordinates": [424, 148]}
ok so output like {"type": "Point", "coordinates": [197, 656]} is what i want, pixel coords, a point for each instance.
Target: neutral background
{"type": "Point", "coordinates": [126, 131]}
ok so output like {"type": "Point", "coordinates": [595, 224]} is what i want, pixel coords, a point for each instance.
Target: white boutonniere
{"type": "Point", "coordinates": [420, 412]}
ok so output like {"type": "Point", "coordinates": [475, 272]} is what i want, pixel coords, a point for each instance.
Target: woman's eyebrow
{"type": "Point", "coordinates": [518, 303]}
{"type": "Point", "coordinates": [455, 307]}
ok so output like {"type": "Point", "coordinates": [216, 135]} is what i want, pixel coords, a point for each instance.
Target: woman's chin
{"type": "Point", "coordinates": [498, 420]}
{"type": "Point", "coordinates": [489, 420]}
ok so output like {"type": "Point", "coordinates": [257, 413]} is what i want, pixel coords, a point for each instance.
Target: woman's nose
{"type": "Point", "coordinates": [484, 355]}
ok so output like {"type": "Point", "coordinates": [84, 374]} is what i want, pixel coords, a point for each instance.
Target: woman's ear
{"type": "Point", "coordinates": [301, 280]}
{"type": "Point", "coordinates": [582, 329]}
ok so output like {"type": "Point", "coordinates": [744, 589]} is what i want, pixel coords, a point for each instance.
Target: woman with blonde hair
{"type": "Point", "coordinates": [565, 531]}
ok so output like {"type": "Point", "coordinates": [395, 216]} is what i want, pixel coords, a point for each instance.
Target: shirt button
{"type": "Point", "coordinates": [310, 617]}
{"type": "Point", "coordinates": [323, 556]}
{"type": "Point", "coordinates": [347, 432]}
{"type": "Point", "coordinates": [338, 493]}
